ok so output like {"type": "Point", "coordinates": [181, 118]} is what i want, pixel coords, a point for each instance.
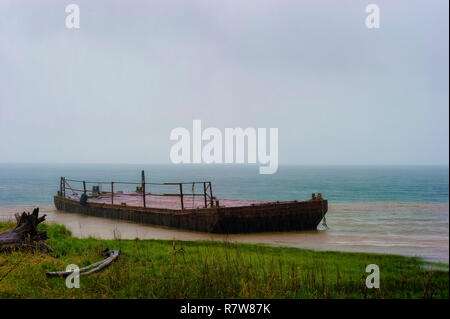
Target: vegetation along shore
{"type": "Point", "coordinates": [205, 269]}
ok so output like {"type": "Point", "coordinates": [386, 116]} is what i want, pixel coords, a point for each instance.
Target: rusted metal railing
{"type": "Point", "coordinates": [206, 194]}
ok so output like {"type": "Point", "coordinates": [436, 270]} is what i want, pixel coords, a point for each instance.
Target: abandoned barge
{"type": "Point", "coordinates": [193, 211]}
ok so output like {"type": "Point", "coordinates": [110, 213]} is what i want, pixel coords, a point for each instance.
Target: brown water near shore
{"type": "Point", "coordinates": [411, 229]}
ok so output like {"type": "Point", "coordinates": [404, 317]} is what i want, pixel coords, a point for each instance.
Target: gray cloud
{"type": "Point", "coordinates": [114, 89]}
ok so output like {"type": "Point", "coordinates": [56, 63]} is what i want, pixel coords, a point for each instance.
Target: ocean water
{"type": "Point", "coordinates": [397, 210]}
{"type": "Point", "coordinates": [31, 184]}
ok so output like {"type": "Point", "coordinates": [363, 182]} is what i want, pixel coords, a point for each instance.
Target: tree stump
{"type": "Point", "coordinates": [25, 235]}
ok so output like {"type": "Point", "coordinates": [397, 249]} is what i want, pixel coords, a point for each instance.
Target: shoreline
{"type": "Point", "coordinates": [189, 269]}
{"type": "Point", "coordinates": [372, 227]}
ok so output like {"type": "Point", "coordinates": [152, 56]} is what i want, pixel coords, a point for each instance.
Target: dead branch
{"type": "Point", "coordinates": [95, 267]}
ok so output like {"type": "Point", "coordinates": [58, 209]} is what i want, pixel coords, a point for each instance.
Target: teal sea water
{"type": "Point", "coordinates": [35, 184]}
{"type": "Point", "coordinates": [397, 210]}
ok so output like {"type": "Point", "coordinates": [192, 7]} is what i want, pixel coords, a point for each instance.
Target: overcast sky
{"type": "Point", "coordinates": [112, 91]}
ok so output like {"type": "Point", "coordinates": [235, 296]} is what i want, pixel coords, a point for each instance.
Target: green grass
{"type": "Point", "coordinates": [204, 269]}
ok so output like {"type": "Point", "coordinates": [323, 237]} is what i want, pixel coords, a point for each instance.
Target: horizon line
{"type": "Point", "coordinates": [219, 164]}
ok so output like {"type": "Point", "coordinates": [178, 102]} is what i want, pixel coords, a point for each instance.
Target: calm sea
{"type": "Point", "coordinates": [31, 184]}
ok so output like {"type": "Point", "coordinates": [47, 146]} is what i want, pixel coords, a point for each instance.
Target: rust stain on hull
{"type": "Point", "coordinates": [267, 217]}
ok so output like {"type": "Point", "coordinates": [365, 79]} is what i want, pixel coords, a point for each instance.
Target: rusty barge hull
{"type": "Point", "coordinates": [266, 217]}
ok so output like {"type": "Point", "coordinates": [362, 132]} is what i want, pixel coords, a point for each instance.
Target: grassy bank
{"type": "Point", "coordinates": [203, 269]}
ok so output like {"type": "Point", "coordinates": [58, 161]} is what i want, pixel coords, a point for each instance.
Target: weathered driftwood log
{"type": "Point", "coordinates": [112, 255]}
{"type": "Point", "coordinates": [25, 235]}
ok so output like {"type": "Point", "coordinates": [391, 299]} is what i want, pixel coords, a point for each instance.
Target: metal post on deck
{"type": "Point", "coordinates": [204, 194]}
{"type": "Point", "coordinates": [210, 194]}
{"type": "Point", "coordinates": [112, 193]}
{"type": "Point", "coordinates": [60, 186]}
{"type": "Point", "coordinates": [181, 196]}
{"type": "Point", "coordinates": [64, 187]}
{"type": "Point", "coordinates": [84, 187]}
{"type": "Point", "coordinates": [143, 186]}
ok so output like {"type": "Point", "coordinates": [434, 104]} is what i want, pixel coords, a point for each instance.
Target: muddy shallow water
{"type": "Point", "coordinates": [411, 229]}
